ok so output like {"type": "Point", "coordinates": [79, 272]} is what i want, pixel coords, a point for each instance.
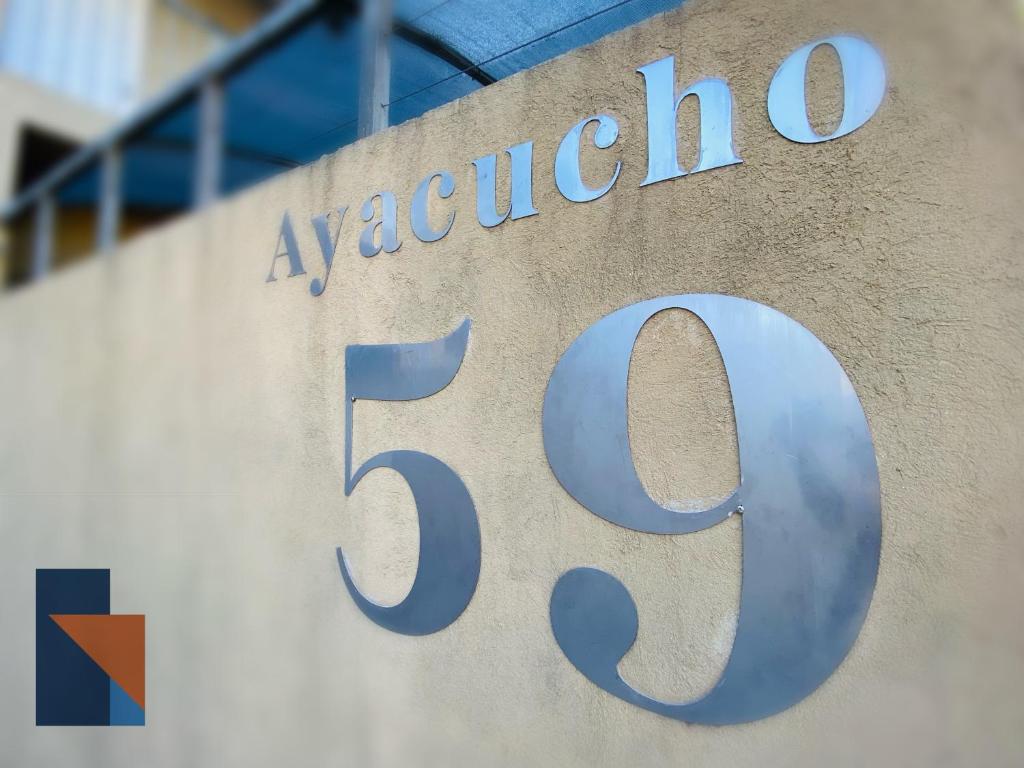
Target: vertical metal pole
{"type": "Point", "coordinates": [110, 199]}
{"type": "Point", "coordinates": [375, 67]}
{"type": "Point", "coordinates": [42, 237]}
{"type": "Point", "coordinates": [210, 152]}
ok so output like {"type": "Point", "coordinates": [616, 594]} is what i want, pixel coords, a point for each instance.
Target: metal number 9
{"type": "Point", "coordinates": [449, 556]}
{"type": "Point", "coordinates": [808, 493]}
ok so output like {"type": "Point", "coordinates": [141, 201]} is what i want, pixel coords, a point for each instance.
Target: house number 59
{"type": "Point", "coordinates": [808, 495]}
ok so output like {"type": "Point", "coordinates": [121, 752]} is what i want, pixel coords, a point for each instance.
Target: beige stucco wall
{"type": "Point", "coordinates": [169, 415]}
{"type": "Point", "coordinates": [236, 16]}
{"type": "Point", "coordinates": [181, 34]}
{"type": "Point", "coordinates": [175, 44]}
{"type": "Point", "coordinates": [177, 41]}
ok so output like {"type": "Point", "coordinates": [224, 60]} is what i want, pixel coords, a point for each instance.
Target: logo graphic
{"type": "Point", "coordinates": [90, 665]}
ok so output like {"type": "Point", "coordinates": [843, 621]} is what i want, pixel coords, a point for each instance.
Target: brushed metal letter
{"type": "Point", "coordinates": [715, 100]}
{"type": "Point", "coordinates": [418, 212]}
{"type": "Point", "coordinates": [291, 250]}
{"type": "Point", "coordinates": [521, 197]}
{"type": "Point", "coordinates": [328, 247]}
{"type": "Point", "coordinates": [863, 89]}
{"type": "Point", "coordinates": [567, 160]}
{"type": "Point", "coordinates": [387, 223]}
{"type": "Point", "coordinates": [449, 553]}
{"type": "Point", "coordinates": [809, 496]}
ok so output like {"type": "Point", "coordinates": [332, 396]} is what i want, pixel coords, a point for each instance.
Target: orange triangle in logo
{"type": "Point", "coordinates": [116, 643]}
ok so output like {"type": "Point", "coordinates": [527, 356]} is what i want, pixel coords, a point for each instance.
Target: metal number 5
{"type": "Point", "coordinates": [808, 493]}
{"type": "Point", "coordinates": [449, 555]}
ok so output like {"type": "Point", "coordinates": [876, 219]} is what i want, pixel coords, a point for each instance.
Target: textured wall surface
{"type": "Point", "coordinates": [168, 414]}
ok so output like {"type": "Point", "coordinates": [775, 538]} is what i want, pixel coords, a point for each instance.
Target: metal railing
{"type": "Point", "coordinates": [204, 81]}
{"type": "Point", "coordinates": [205, 87]}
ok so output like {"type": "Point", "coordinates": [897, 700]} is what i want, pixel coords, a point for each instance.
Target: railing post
{"type": "Point", "coordinates": [375, 67]}
{"type": "Point", "coordinates": [210, 150]}
{"type": "Point", "coordinates": [110, 199]}
{"type": "Point", "coordinates": [42, 236]}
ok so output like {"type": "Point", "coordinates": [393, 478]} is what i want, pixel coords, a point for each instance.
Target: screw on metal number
{"type": "Point", "coordinates": [449, 554]}
{"type": "Point", "coordinates": [808, 492]}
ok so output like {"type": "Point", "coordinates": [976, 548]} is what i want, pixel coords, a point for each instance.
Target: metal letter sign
{"type": "Point", "coordinates": [808, 493]}
{"type": "Point", "coordinates": [863, 89]}
{"type": "Point", "coordinates": [449, 558]}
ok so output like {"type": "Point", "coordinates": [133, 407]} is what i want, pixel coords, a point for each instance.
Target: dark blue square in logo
{"type": "Point", "coordinates": [70, 688]}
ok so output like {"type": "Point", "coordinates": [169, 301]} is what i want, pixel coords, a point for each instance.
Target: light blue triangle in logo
{"type": "Point", "coordinates": [124, 711]}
